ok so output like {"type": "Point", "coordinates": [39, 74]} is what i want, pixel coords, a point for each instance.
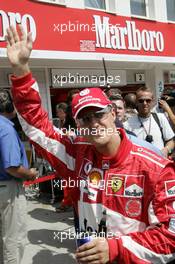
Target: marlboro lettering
{"type": "Point", "coordinates": [126, 37]}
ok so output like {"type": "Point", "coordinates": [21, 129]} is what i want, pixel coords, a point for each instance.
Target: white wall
{"type": "Point", "coordinates": [155, 80]}
{"type": "Point", "coordinates": [160, 10]}
{"type": "Point", "coordinates": [75, 4]}
{"type": "Point", "coordinates": [123, 7]}
{"type": "Point", "coordinates": [131, 76]}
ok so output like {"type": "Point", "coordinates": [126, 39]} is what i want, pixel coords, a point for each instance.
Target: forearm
{"type": "Point", "coordinates": [171, 115]}
{"type": "Point", "coordinates": [20, 172]}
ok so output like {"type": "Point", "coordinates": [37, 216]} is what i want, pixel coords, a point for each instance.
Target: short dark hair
{"type": "Point", "coordinates": [144, 89]}
{"type": "Point", "coordinates": [130, 100]}
{"type": "Point", "coordinates": [116, 97]}
{"type": "Point", "coordinates": [6, 104]}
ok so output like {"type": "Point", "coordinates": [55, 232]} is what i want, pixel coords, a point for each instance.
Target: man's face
{"type": "Point", "coordinates": [97, 127]}
{"type": "Point", "coordinates": [120, 109]}
{"type": "Point", "coordinates": [144, 103]}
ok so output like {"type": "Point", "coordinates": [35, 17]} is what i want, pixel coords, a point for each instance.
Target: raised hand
{"type": "Point", "coordinates": [163, 104]}
{"type": "Point", "coordinates": [19, 47]}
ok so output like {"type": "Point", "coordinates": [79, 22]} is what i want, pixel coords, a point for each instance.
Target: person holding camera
{"type": "Point", "coordinates": [163, 104]}
{"type": "Point", "coordinates": [152, 127]}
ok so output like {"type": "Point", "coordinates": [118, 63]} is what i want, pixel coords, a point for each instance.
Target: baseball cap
{"type": "Point", "coordinates": [94, 97]}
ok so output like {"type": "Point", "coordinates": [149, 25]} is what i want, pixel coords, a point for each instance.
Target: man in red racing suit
{"type": "Point", "coordinates": [128, 185]}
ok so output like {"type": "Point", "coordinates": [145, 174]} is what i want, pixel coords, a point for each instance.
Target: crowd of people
{"type": "Point", "coordinates": [120, 154]}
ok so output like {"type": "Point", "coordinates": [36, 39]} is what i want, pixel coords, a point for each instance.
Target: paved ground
{"type": "Point", "coordinates": [44, 246]}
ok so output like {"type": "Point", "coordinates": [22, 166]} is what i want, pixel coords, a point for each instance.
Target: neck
{"type": "Point", "coordinates": [144, 115]}
{"type": "Point", "coordinates": [111, 147]}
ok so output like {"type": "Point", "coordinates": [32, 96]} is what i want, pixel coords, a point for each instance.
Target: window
{"type": "Point", "coordinates": [98, 4]}
{"type": "Point", "coordinates": [144, 8]}
{"type": "Point", "coordinates": [138, 7]}
{"type": "Point", "coordinates": [170, 9]}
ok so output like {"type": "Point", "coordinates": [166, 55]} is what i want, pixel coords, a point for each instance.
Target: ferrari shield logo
{"type": "Point", "coordinates": [116, 184]}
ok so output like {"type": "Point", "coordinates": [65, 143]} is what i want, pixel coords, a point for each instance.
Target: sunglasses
{"type": "Point", "coordinates": [98, 115]}
{"type": "Point", "coordinates": [148, 101]}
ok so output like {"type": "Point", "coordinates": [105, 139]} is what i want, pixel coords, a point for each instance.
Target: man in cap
{"type": "Point", "coordinates": [126, 187]}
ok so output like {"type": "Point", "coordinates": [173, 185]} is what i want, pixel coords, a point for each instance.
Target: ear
{"type": "Point", "coordinates": [113, 113]}
{"type": "Point", "coordinates": [77, 123]}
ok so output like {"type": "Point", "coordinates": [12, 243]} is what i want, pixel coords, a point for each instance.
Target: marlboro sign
{"type": "Point", "coordinates": [69, 33]}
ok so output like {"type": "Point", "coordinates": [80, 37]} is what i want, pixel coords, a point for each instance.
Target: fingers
{"type": "Point", "coordinates": [8, 43]}
{"type": "Point", "coordinates": [93, 252]}
{"type": "Point", "coordinates": [89, 252]}
{"type": "Point", "coordinates": [29, 40]}
{"type": "Point", "coordinates": [86, 246]}
{"type": "Point", "coordinates": [89, 259]}
{"type": "Point", "coordinates": [23, 34]}
{"type": "Point", "coordinates": [13, 36]}
{"type": "Point", "coordinates": [9, 37]}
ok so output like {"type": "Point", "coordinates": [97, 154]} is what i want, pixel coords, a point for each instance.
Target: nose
{"type": "Point", "coordinates": [144, 102]}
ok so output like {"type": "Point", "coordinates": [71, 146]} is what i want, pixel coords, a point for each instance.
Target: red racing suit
{"type": "Point", "coordinates": [134, 190]}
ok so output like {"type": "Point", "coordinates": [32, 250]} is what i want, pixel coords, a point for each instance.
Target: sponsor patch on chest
{"type": "Point", "coordinates": [133, 208]}
{"type": "Point", "coordinates": [170, 188]}
{"type": "Point", "coordinates": [125, 185]}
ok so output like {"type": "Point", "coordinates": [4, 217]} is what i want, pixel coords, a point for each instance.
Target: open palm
{"type": "Point", "coordinates": [19, 46]}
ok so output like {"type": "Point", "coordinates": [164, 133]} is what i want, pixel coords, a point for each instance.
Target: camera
{"type": "Point", "coordinates": [149, 138]}
{"type": "Point", "coordinates": [163, 98]}
{"type": "Point", "coordinates": [170, 101]}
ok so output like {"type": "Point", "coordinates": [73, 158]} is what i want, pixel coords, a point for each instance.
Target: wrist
{"type": "Point", "coordinates": [169, 150]}
{"type": "Point", "coordinates": [21, 70]}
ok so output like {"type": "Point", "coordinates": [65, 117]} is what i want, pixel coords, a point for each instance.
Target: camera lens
{"type": "Point", "coordinates": [149, 138]}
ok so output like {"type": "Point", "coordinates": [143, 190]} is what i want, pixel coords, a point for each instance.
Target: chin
{"type": "Point", "coordinates": [99, 140]}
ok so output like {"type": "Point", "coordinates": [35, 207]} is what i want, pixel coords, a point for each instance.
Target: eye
{"type": "Point", "coordinates": [98, 115]}
{"type": "Point", "coordinates": [86, 119]}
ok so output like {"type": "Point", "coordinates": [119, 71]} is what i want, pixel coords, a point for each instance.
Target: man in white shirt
{"type": "Point", "coordinates": [145, 126]}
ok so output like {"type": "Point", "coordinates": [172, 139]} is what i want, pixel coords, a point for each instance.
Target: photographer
{"type": "Point", "coordinates": [152, 127]}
